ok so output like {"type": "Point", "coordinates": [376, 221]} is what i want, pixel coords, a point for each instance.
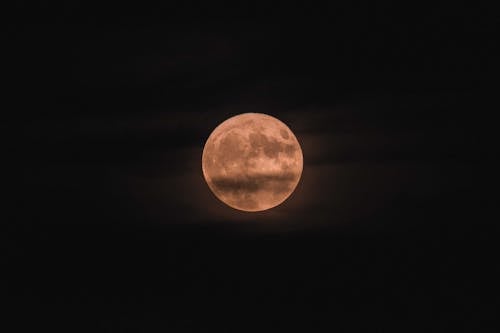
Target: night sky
{"type": "Point", "coordinates": [115, 230]}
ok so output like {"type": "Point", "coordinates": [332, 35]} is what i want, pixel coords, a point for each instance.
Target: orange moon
{"type": "Point", "coordinates": [252, 162]}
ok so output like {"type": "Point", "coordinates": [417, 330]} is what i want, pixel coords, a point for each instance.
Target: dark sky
{"type": "Point", "coordinates": [115, 230]}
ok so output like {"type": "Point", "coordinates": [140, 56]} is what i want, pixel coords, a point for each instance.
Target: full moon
{"type": "Point", "coordinates": [252, 162]}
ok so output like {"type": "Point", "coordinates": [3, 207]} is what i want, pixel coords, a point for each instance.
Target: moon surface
{"type": "Point", "coordinates": [252, 162]}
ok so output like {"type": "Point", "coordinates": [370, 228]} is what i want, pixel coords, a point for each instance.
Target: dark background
{"type": "Point", "coordinates": [114, 229]}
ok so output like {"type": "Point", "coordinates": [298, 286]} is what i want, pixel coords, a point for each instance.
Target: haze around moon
{"type": "Point", "coordinates": [252, 162]}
